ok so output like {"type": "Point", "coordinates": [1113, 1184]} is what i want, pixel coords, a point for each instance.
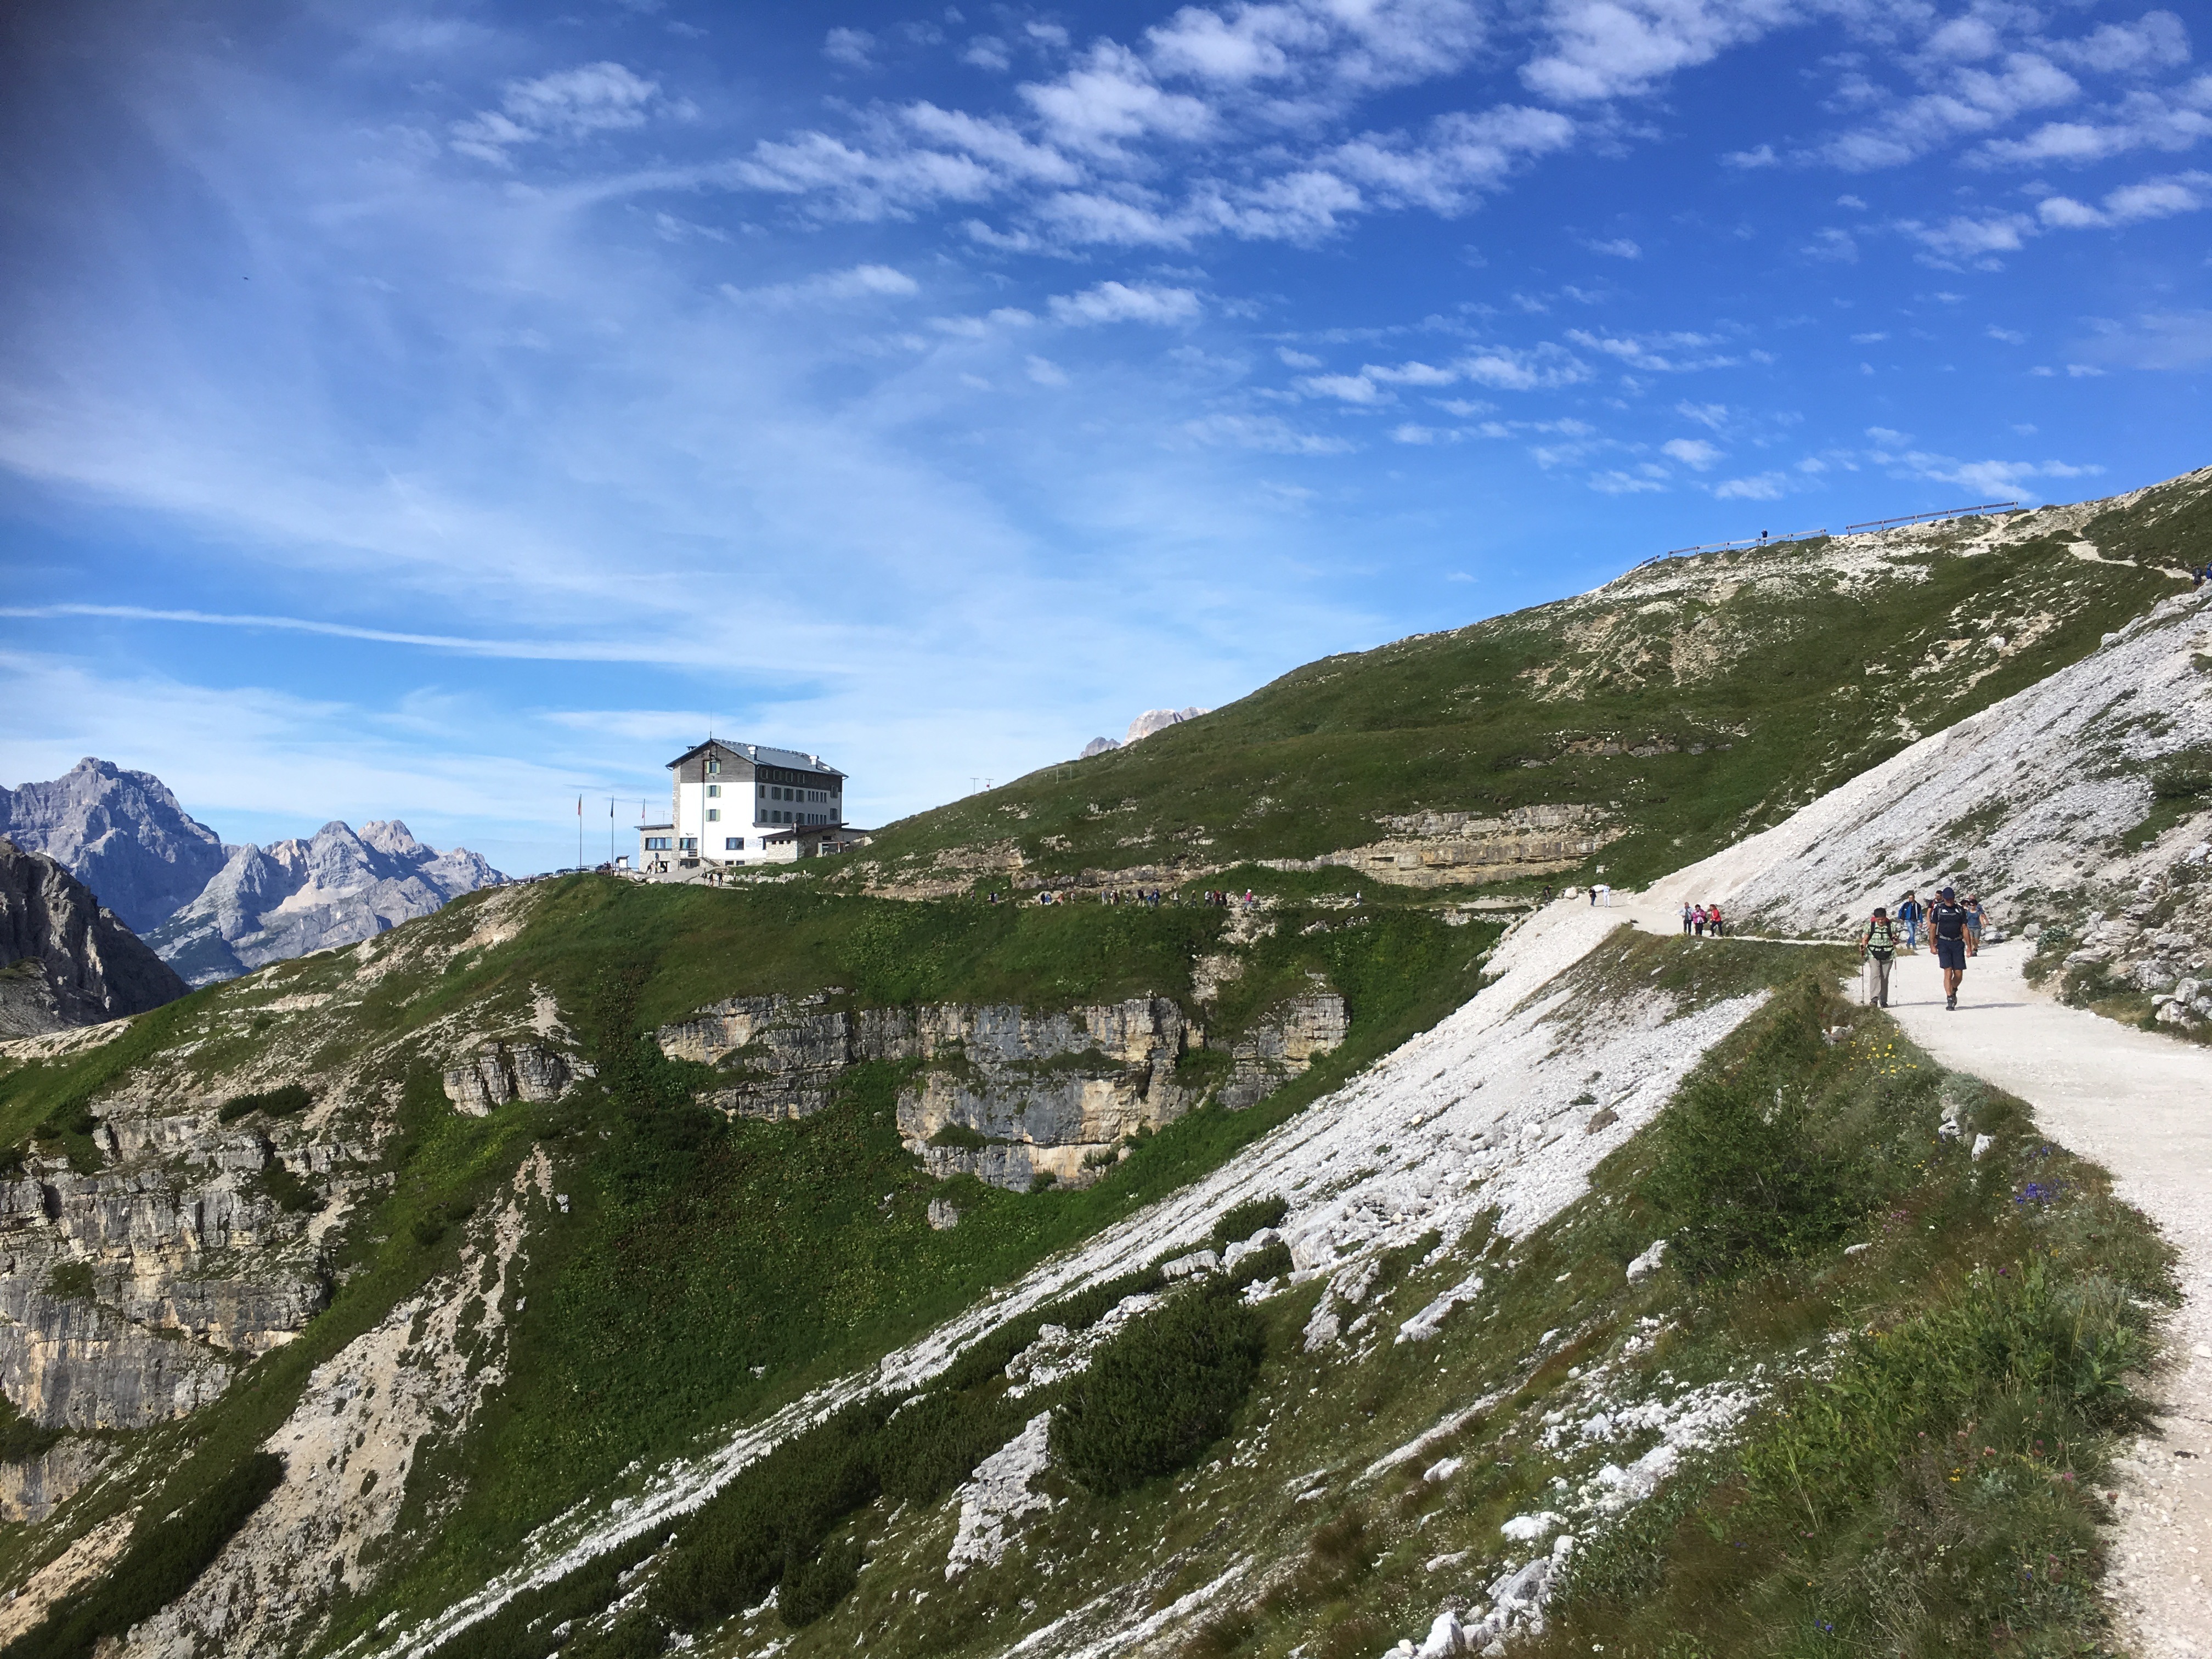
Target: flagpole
{"type": "Point", "coordinates": [580, 832]}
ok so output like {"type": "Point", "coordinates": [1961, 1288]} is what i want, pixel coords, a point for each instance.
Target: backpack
{"type": "Point", "coordinates": [1882, 940]}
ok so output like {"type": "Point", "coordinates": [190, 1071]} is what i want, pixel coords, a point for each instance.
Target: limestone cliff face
{"type": "Point", "coordinates": [271, 903]}
{"type": "Point", "coordinates": [1003, 1092]}
{"type": "Point", "coordinates": [120, 832]}
{"type": "Point", "coordinates": [63, 960]}
{"type": "Point", "coordinates": [1432, 849]}
{"type": "Point", "coordinates": [127, 1296]}
{"type": "Point", "coordinates": [498, 1072]}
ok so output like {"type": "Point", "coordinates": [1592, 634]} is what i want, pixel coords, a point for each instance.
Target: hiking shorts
{"type": "Point", "coordinates": [1951, 953]}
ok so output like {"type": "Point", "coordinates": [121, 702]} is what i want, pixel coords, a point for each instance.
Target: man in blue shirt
{"type": "Point", "coordinates": [1947, 927]}
{"type": "Point", "coordinates": [1908, 917]}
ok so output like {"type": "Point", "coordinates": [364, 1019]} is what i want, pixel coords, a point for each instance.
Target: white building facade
{"type": "Point", "coordinates": [744, 803]}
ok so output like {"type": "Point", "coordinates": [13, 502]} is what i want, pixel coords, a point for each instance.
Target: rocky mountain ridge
{"type": "Point", "coordinates": [336, 887]}
{"type": "Point", "coordinates": [214, 910]}
{"type": "Point", "coordinates": [64, 960]}
{"type": "Point", "coordinates": [121, 833]}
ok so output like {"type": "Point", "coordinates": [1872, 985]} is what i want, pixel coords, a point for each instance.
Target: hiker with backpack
{"type": "Point", "coordinates": [1909, 913]}
{"type": "Point", "coordinates": [1946, 929]}
{"type": "Point", "coordinates": [1877, 950]}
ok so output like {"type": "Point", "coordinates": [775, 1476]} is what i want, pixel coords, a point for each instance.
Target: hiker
{"type": "Point", "coordinates": [1713, 919]}
{"type": "Point", "coordinates": [1974, 920]}
{"type": "Point", "coordinates": [1697, 921]}
{"type": "Point", "coordinates": [1592, 895]}
{"type": "Point", "coordinates": [1947, 928]}
{"type": "Point", "coordinates": [1909, 912]}
{"type": "Point", "coordinates": [1685, 919]}
{"type": "Point", "coordinates": [1877, 946]}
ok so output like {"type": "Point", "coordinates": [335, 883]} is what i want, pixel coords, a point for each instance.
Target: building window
{"type": "Point", "coordinates": [714, 814]}
{"type": "Point", "coordinates": [656, 843]}
{"type": "Point", "coordinates": [734, 843]}
{"type": "Point", "coordinates": [763, 791]}
{"type": "Point", "coordinates": [688, 844]}
{"type": "Point", "coordinates": [714, 791]}
{"type": "Point", "coordinates": [715, 767]}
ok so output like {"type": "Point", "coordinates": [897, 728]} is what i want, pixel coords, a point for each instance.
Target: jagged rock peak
{"type": "Point", "coordinates": [121, 832]}
{"type": "Point", "coordinates": [336, 887]}
{"type": "Point", "coordinates": [64, 960]}
{"type": "Point", "coordinates": [1158, 719]}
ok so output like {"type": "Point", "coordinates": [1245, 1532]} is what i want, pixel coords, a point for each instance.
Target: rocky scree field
{"type": "Point", "coordinates": [450, 1222]}
{"type": "Point", "coordinates": [1637, 727]}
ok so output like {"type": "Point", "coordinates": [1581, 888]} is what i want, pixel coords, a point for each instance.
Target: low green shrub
{"type": "Point", "coordinates": [1165, 1388]}
{"type": "Point", "coordinates": [287, 1191]}
{"type": "Point", "coordinates": [164, 1558]}
{"type": "Point", "coordinates": [70, 1280]}
{"type": "Point", "coordinates": [810, 1588]}
{"type": "Point", "coordinates": [523, 1626]}
{"type": "Point", "coordinates": [1252, 1215]}
{"type": "Point", "coordinates": [283, 1102]}
{"type": "Point", "coordinates": [1741, 1176]}
{"type": "Point", "coordinates": [21, 1439]}
{"type": "Point", "coordinates": [1272, 1262]}
{"type": "Point", "coordinates": [932, 1443]}
{"type": "Point", "coordinates": [960, 1135]}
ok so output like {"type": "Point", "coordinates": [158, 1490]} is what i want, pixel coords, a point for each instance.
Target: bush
{"type": "Point", "coordinates": [287, 1190]}
{"type": "Point", "coordinates": [1740, 1177]}
{"type": "Point", "coordinates": [2183, 776]}
{"type": "Point", "coordinates": [276, 1102]}
{"type": "Point", "coordinates": [739, 1545]}
{"type": "Point", "coordinates": [811, 1588]}
{"type": "Point", "coordinates": [164, 1559]}
{"type": "Point", "coordinates": [960, 1135]}
{"type": "Point", "coordinates": [933, 1445]}
{"type": "Point", "coordinates": [1159, 1392]}
{"type": "Point", "coordinates": [1250, 1217]}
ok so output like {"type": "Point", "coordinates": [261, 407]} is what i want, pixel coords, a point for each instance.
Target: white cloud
{"type": "Point", "coordinates": [1706, 415]}
{"type": "Point", "coordinates": [1693, 453]}
{"type": "Point", "coordinates": [2151, 198]}
{"type": "Point", "coordinates": [1126, 302]}
{"type": "Point", "coordinates": [1763, 487]}
{"type": "Point", "coordinates": [1831, 243]}
{"type": "Point", "coordinates": [1409, 432]}
{"type": "Point", "coordinates": [1623, 484]}
{"type": "Point", "coordinates": [2010, 335]}
{"type": "Point", "coordinates": [1267, 433]}
{"type": "Point", "coordinates": [1966, 238]}
{"type": "Point", "coordinates": [1345, 388]}
{"type": "Point", "coordinates": [1649, 352]}
{"type": "Point", "coordinates": [1619, 248]}
{"type": "Point", "coordinates": [1045, 372]}
{"type": "Point", "coordinates": [1111, 99]}
{"type": "Point", "coordinates": [2161, 339]}
{"type": "Point", "coordinates": [2157, 39]}
{"type": "Point", "coordinates": [1965, 102]}
{"type": "Point", "coordinates": [1296, 359]}
{"type": "Point", "coordinates": [1763, 157]}
{"type": "Point", "coordinates": [603, 97]}
{"type": "Point", "coordinates": [850, 47]}
{"type": "Point", "coordinates": [1538, 367]}
{"type": "Point", "coordinates": [1414, 373]}
{"type": "Point", "coordinates": [987, 51]}
{"type": "Point", "coordinates": [1602, 49]}
{"type": "Point", "coordinates": [858, 283]}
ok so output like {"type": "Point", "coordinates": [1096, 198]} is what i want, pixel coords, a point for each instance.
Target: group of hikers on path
{"type": "Point", "coordinates": [1701, 919]}
{"type": "Point", "coordinates": [1954, 927]}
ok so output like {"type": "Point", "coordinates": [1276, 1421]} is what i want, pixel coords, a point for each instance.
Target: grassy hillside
{"type": "Point", "coordinates": [705, 1271]}
{"type": "Point", "coordinates": [1692, 699]}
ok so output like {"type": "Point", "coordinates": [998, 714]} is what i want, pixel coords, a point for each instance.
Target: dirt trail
{"type": "Point", "coordinates": [2140, 1104]}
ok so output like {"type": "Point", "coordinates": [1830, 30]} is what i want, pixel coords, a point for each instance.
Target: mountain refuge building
{"type": "Point", "coordinates": [745, 803]}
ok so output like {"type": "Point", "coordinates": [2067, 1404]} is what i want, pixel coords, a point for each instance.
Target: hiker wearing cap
{"type": "Point", "coordinates": [1947, 927]}
{"type": "Point", "coordinates": [1877, 950]}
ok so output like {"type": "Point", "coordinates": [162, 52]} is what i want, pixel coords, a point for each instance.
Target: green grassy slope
{"type": "Point", "coordinates": [1791, 668]}
{"type": "Point", "coordinates": [710, 1271]}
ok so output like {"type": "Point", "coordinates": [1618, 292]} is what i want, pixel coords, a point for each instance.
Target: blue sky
{"type": "Point", "coordinates": [435, 412]}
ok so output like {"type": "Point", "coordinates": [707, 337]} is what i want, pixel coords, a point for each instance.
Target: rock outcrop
{"type": "Point", "coordinates": [64, 959]}
{"type": "Point", "coordinates": [1435, 849]}
{"type": "Point", "coordinates": [498, 1072]}
{"type": "Point", "coordinates": [1004, 1093]}
{"type": "Point", "coordinates": [1158, 719]}
{"type": "Point", "coordinates": [271, 903]}
{"type": "Point", "coordinates": [120, 832]}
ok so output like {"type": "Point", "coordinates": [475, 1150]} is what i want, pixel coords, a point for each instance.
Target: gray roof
{"type": "Point", "coordinates": [791, 759]}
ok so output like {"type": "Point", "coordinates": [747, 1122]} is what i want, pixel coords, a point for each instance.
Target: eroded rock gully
{"type": "Point", "coordinates": [1004, 1093]}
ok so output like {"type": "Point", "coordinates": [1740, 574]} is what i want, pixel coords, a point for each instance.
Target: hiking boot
{"type": "Point", "coordinates": [1950, 1002]}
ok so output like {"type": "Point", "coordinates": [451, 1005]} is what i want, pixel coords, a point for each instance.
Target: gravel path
{"type": "Point", "coordinates": [2140, 1105]}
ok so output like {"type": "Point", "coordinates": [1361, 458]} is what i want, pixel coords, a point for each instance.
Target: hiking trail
{"type": "Point", "coordinates": [2139, 1104]}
